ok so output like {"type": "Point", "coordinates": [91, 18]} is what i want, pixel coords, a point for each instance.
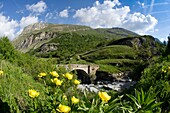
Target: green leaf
{"type": "Point", "coordinates": [137, 93]}
{"type": "Point", "coordinates": [134, 100]}
{"type": "Point", "coordinates": [142, 96]}
{"type": "Point", "coordinates": [156, 105]}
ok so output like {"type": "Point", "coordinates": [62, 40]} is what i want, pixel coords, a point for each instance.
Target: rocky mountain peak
{"type": "Point", "coordinates": [33, 27]}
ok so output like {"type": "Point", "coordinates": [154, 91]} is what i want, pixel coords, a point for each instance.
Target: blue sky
{"type": "Point", "coordinates": [141, 16]}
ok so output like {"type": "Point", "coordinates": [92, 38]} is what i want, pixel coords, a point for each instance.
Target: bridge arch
{"type": "Point", "coordinates": [82, 75]}
{"type": "Point", "coordinates": [82, 69]}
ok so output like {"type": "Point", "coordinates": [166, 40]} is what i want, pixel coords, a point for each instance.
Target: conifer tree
{"type": "Point", "coordinates": [167, 51]}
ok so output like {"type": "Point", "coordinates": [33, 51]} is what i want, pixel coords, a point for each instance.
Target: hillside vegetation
{"type": "Point", "coordinates": [114, 49]}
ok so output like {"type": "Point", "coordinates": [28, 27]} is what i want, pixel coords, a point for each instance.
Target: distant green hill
{"type": "Point", "coordinates": [114, 49]}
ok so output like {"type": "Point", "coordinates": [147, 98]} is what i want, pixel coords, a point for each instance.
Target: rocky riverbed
{"type": "Point", "coordinates": [106, 81]}
{"type": "Point", "coordinates": [106, 85]}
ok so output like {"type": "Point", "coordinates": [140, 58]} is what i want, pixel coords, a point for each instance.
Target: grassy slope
{"type": "Point", "coordinates": [14, 85]}
{"type": "Point", "coordinates": [19, 73]}
{"type": "Point", "coordinates": [108, 57]}
{"type": "Point", "coordinates": [116, 58]}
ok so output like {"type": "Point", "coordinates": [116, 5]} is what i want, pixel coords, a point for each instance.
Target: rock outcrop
{"type": "Point", "coordinates": [32, 39]}
{"type": "Point", "coordinates": [140, 42]}
{"type": "Point", "coordinates": [49, 47]}
{"type": "Point", "coordinates": [133, 41]}
{"type": "Point", "coordinates": [34, 27]}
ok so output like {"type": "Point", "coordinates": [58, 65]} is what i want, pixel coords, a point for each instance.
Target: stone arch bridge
{"type": "Point", "coordinates": [84, 71]}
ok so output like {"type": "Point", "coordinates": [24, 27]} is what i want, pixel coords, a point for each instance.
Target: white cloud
{"type": "Point", "coordinates": [64, 13]}
{"type": "Point", "coordinates": [40, 7]}
{"type": "Point", "coordinates": [8, 27]}
{"type": "Point", "coordinates": [141, 4]}
{"type": "Point", "coordinates": [163, 39]}
{"type": "Point", "coordinates": [140, 23]}
{"type": "Point", "coordinates": [11, 28]}
{"type": "Point", "coordinates": [49, 16]}
{"type": "Point", "coordinates": [25, 21]}
{"type": "Point", "coordinates": [20, 12]}
{"type": "Point", "coordinates": [109, 15]}
{"type": "Point", "coordinates": [151, 6]}
{"type": "Point", "coordinates": [102, 15]}
{"type": "Point", "coordinates": [156, 30]}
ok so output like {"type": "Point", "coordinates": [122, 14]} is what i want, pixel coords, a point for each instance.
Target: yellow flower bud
{"type": "Point", "coordinates": [33, 93]}
{"type": "Point", "coordinates": [42, 74]}
{"type": "Point", "coordinates": [104, 96]}
{"type": "Point", "coordinates": [169, 67]}
{"type": "Point", "coordinates": [75, 100]}
{"type": "Point", "coordinates": [63, 108]}
{"type": "Point", "coordinates": [163, 70]}
{"type": "Point", "coordinates": [1, 72]}
{"type": "Point", "coordinates": [69, 76]}
{"type": "Point", "coordinates": [63, 75]}
{"type": "Point", "coordinates": [77, 82]}
{"type": "Point", "coordinates": [54, 73]}
{"type": "Point", "coordinates": [64, 97]}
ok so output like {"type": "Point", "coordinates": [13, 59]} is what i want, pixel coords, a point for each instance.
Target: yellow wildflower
{"type": "Point", "coordinates": [33, 93]}
{"type": "Point", "coordinates": [42, 74]}
{"type": "Point", "coordinates": [69, 76]}
{"type": "Point", "coordinates": [163, 70]}
{"type": "Point", "coordinates": [63, 108]}
{"type": "Point", "coordinates": [54, 80]}
{"type": "Point", "coordinates": [1, 72]}
{"type": "Point", "coordinates": [63, 75]}
{"type": "Point", "coordinates": [104, 96]}
{"type": "Point", "coordinates": [64, 97]}
{"type": "Point", "coordinates": [169, 67]}
{"type": "Point", "coordinates": [54, 73]}
{"type": "Point", "coordinates": [77, 82]}
{"type": "Point", "coordinates": [57, 81]}
{"type": "Point", "coordinates": [75, 100]}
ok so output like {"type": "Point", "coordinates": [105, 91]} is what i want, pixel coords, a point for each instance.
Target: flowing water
{"type": "Point", "coordinates": [106, 85]}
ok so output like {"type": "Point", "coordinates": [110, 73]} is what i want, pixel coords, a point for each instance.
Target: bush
{"type": "Point", "coordinates": [158, 76]}
{"type": "Point", "coordinates": [7, 50]}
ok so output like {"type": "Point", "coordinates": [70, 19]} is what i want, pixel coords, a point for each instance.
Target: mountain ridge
{"type": "Point", "coordinates": [44, 31]}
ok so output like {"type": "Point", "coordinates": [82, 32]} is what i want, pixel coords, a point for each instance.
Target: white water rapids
{"type": "Point", "coordinates": [117, 86]}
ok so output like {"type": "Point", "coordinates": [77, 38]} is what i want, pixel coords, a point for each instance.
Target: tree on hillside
{"type": "Point", "coordinates": [7, 50]}
{"type": "Point", "coordinates": [164, 43]}
{"type": "Point", "coordinates": [167, 51]}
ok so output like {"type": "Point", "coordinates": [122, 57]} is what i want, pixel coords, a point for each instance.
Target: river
{"type": "Point", "coordinates": [106, 85]}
